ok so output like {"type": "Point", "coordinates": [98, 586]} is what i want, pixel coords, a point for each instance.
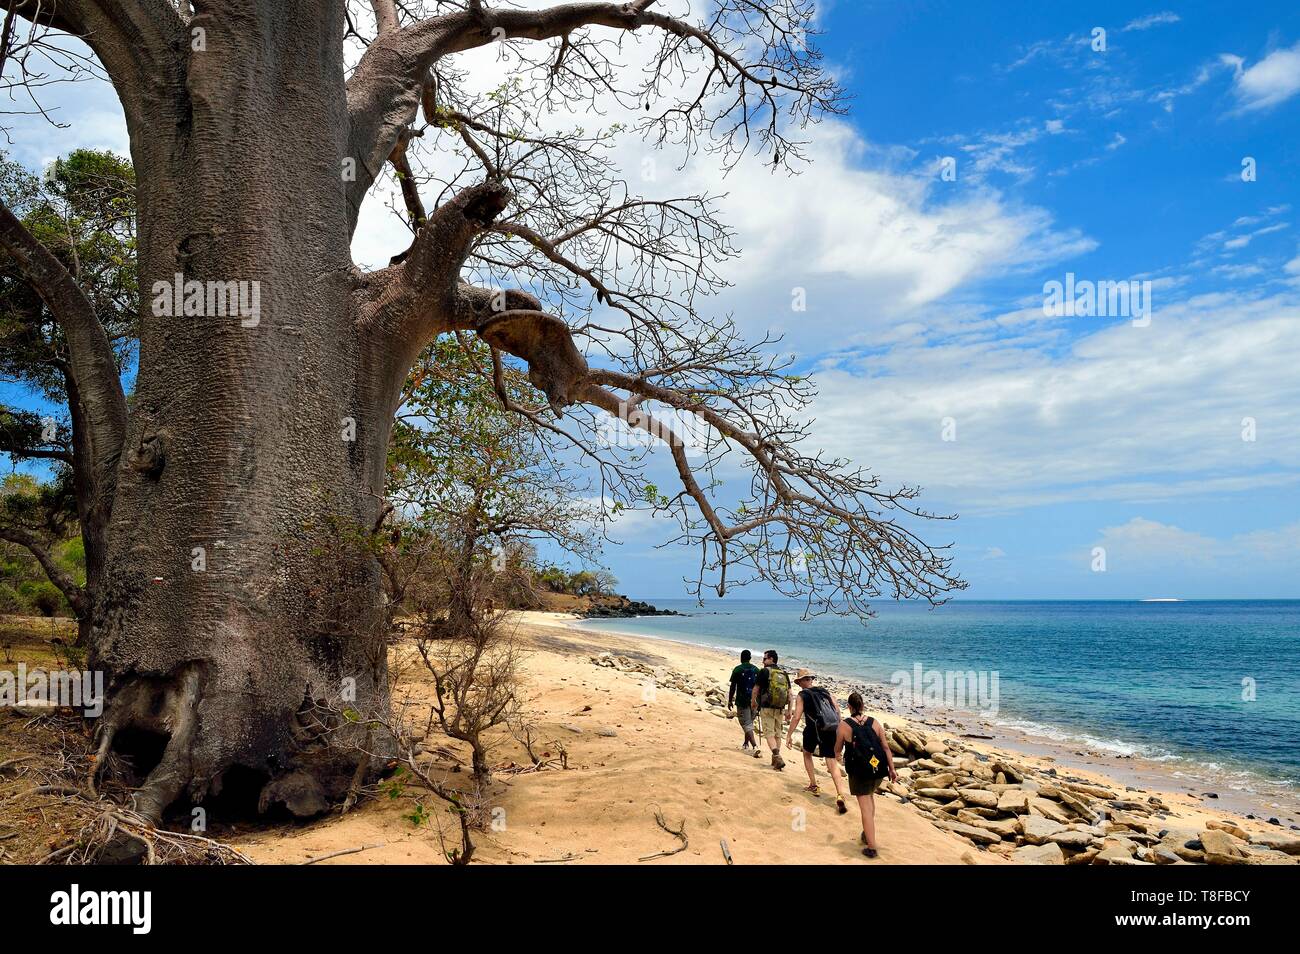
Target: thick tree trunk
{"type": "Point", "coordinates": [240, 609]}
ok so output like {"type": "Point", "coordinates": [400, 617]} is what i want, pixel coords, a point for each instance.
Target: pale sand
{"type": "Point", "coordinates": [671, 753]}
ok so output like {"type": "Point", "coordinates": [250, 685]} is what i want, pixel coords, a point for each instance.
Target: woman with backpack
{"type": "Point", "coordinates": [867, 760]}
{"type": "Point", "coordinates": [821, 721]}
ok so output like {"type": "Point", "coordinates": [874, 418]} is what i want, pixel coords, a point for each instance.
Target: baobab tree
{"type": "Point", "coordinates": [270, 365]}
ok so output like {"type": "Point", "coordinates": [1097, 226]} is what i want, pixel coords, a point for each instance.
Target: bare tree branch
{"type": "Point", "coordinates": [759, 69]}
{"type": "Point", "coordinates": [812, 528]}
{"type": "Point", "coordinates": [385, 15]}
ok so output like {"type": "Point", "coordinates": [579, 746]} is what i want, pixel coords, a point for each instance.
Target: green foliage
{"type": "Point", "coordinates": [394, 787]}
{"type": "Point", "coordinates": [418, 815]}
{"type": "Point", "coordinates": [47, 511]}
{"type": "Point", "coordinates": [557, 579]}
{"type": "Point", "coordinates": [32, 597]}
{"type": "Point", "coordinates": [476, 482]}
{"type": "Point", "coordinates": [42, 596]}
{"type": "Point", "coordinates": [72, 556]}
{"type": "Point", "coordinates": [83, 211]}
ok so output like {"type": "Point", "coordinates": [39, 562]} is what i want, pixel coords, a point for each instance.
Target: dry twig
{"type": "Point", "coordinates": [678, 833]}
{"type": "Point", "coordinates": [345, 851]}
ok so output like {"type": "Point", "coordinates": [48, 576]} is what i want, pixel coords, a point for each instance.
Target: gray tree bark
{"type": "Point", "coordinates": [239, 606]}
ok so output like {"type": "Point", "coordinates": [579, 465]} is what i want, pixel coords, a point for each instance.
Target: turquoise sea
{"type": "Point", "coordinates": [1211, 686]}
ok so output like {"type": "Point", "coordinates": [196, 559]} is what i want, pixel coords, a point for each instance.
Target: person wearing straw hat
{"type": "Point", "coordinates": [821, 724]}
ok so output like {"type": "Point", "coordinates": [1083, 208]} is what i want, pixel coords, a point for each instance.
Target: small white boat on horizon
{"type": "Point", "coordinates": [1161, 599]}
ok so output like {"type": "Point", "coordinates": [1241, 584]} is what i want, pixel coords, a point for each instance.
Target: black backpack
{"type": "Point", "coordinates": [864, 757]}
{"type": "Point", "coordinates": [823, 711]}
{"type": "Point", "coordinates": [745, 686]}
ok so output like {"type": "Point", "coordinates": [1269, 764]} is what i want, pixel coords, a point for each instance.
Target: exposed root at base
{"type": "Point", "coordinates": [121, 836]}
{"type": "Point", "coordinates": [166, 709]}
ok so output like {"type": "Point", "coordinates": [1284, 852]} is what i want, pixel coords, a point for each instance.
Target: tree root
{"type": "Point", "coordinates": [167, 708]}
{"type": "Point", "coordinates": [59, 790]}
{"type": "Point", "coordinates": [121, 836]}
{"type": "Point", "coordinates": [173, 771]}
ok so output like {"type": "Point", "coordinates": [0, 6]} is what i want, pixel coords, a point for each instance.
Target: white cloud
{"type": "Point", "coordinates": [1167, 97]}
{"type": "Point", "coordinates": [1273, 80]}
{"type": "Point", "coordinates": [908, 239]}
{"type": "Point", "coordinates": [1281, 543]}
{"type": "Point", "coordinates": [1148, 541]}
{"type": "Point", "coordinates": [1125, 413]}
{"type": "Point", "coordinates": [1240, 234]}
{"type": "Point", "coordinates": [1151, 20]}
{"type": "Point", "coordinates": [1241, 241]}
{"type": "Point", "coordinates": [1000, 151]}
{"type": "Point", "coordinates": [1238, 272]}
{"type": "Point", "coordinates": [1145, 545]}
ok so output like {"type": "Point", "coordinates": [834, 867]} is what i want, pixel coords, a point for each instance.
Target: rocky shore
{"type": "Point", "coordinates": [1028, 814]}
{"type": "Point", "coordinates": [620, 607]}
{"type": "Point", "coordinates": [1045, 816]}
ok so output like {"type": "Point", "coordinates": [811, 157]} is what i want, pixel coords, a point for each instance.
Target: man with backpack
{"type": "Point", "coordinates": [771, 697]}
{"type": "Point", "coordinates": [821, 723]}
{"type": "Point", "coordinates": [868, 760]}
{"type": "Point", "coordinates": [743, 678]}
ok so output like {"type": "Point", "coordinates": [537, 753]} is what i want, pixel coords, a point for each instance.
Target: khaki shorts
{"type": "Point", "coordinates": [772, 721]}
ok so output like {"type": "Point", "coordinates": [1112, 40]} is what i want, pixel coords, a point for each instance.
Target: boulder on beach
{"type": "Point", "coordinates": [1235, 830]}
{"type": "Point", "coordinates": [979, 797]}
{"type": "Point", "coordinates": [1037, 830]}
{"type": "Point", "coordinates": [1075, 839]}
{"type": "Point", "coordinates": [1289, 844]}
{"type": "Point", "coordinates": [1014, 801]}
{"type": "Point", "coordinates": [939, 794]}
{"type": "Point", "coordinates": [977, 835]}
{"type": "Point", "coordinates": [1048, 854]}
{"type": "Point", "coordinates": [1222, 848]}
{"type": "Point", "coordinates": [1041, 806]}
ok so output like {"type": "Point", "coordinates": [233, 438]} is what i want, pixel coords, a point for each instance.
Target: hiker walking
{"type": "Point", "coordinates": [868, 761]}
{"type": "Point", "coordinates": [771, 697]}
{"type": "Point", "coordinates": [821, 722]}
{"type": "Point", "coordinates": [741, 693]}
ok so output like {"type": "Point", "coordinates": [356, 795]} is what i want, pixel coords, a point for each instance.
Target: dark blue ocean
{"type": "Point", "coordinates": [1164, 681]}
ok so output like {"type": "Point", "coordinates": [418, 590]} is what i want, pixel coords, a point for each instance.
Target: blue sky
{"type": "Point", "coordinates": [925, 296]}
{"type": "Point", "coordinates": [1073, 433]}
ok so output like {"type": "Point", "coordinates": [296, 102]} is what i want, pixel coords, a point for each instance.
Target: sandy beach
{"type": "Point", "coordinates": [635, 749]}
